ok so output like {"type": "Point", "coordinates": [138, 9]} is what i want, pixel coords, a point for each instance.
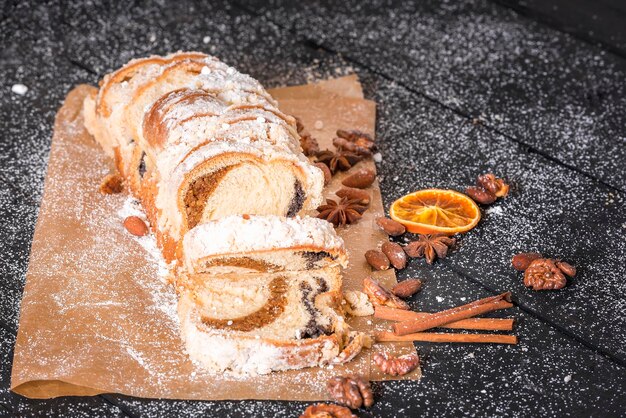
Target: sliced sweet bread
{"type": "Point", "coordinates": [196, 140]}
{"type": "Point", "coordinates": [251, 243]}
{"type": "Point", "coordinates": [200, 144]}
{"type": "Point", "coordinates": [258, 323]}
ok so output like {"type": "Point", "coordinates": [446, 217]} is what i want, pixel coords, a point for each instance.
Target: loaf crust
{"type": "Point", "coordinates": [222, 178]}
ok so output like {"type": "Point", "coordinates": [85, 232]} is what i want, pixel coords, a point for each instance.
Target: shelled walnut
{"type": "Point", "coordinates": [352, 391]}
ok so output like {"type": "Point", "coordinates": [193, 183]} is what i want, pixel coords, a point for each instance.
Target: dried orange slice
{"type": "Point", "coordinates": [435, 211]}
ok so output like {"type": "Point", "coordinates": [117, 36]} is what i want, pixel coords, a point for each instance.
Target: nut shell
{"type": "Point", "coordinates": [395, 253]}
{"type": "Point", "coordinates": [361, 179]}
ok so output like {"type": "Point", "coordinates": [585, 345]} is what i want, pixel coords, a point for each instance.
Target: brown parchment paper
{"type": "Point", "coordinates": [96, 317]}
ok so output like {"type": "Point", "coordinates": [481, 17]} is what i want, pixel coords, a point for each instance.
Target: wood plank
{"type": "Point", "coordinates": [556, 94]}
{"type": "Point", "coordinates": [600, 22]}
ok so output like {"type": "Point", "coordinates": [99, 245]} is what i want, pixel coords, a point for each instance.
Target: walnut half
{"type": "Point", "coordinates": [351, 391]}
{"type": "Point", "coordinates": [379, 296]}
{"type": "Point", "coordinates": [396, 366]}
{"type": "Point", "coordinates": [547, 274]}
{"type": "Point", "coordinates": [324, 410]}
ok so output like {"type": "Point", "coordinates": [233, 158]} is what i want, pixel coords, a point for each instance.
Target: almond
{"type": "Point", "coordinates": [407, 288]}
{"type": "Point", "coordinates": [395, 253]}
{"type": "Point", "coordinates": [377, 260]}
{"type": "Point", "coordinates": [360, 179]}
{"type": "Point", "coordinates": [136, 226]}
{"type": "Point", "coordinates": [327, 174]}
{"type": "Point", "coordinates": [390, 226]}
{"type": "Point", "coordinates": [354, 194]}
{"type": "Point", "coordinates": [521, 261]}
{"type": "Point", "coordinates": [480, 195]}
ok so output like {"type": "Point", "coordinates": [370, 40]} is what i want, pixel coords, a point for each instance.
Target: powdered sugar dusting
{"type": "Point", "coordinates": [132, 207]}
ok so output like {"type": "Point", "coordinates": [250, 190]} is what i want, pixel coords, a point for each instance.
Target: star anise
{"type": "Point", "coordinates": [360, 139]}
{"type": "Point", "coordinates": [430, 247]}
{"type": "Point", "coordinates": [338, 161]}
{"type": "Point", "coordinates": [343, 212]}
{"type": "Point", "coordinates": [309, 145]}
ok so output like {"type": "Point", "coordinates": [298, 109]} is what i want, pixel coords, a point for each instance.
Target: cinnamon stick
{"type": "Point", "coordinates": [441, 337]}
{"type": "Point", "coordinates": [469, 310]}
{"type": "Point", "coordinates": [485, 324]}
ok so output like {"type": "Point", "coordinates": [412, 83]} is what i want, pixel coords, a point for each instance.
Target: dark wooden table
{"type": "Point", "coordinates": [545, 86]}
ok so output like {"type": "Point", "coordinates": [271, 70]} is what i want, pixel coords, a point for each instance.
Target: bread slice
{"type": "Point", "coordinates": [257, 323]}
{"type": "Point", "coordinates": [250, 243]}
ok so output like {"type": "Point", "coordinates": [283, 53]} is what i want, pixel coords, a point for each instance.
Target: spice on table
{"type": "Point", "coordinates": [338, 161]}
{"type": "Point", "coordinates": [445, 337]}
{"type": "Point", "coordinates": [469, 310]}
{"type": "Point", "coordinates": [430, 247]}
{"type": "Point", "coordinates": [309, 144]}
{"type": "Point", "coordinates": [484, 324]}
{"type": "Point", "coordinates": [341, 213]}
